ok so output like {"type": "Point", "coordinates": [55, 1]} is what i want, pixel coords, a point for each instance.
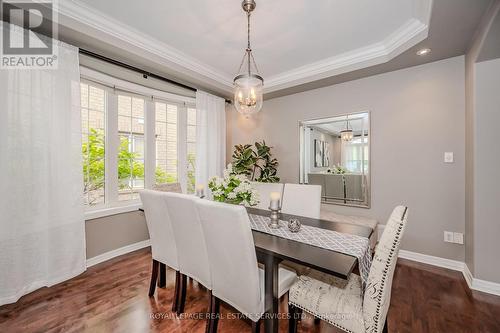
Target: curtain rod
{"type": "Point", "coordinates": [144, 73]}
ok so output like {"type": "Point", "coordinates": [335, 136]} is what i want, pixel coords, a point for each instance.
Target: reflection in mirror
{"type": "Point", "coordinates": [335, 153]}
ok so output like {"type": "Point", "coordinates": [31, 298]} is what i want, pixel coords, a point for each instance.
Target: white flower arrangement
{"type": "Point", "coordinates": [232, 188]}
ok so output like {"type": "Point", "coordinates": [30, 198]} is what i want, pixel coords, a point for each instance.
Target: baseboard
{"type": "Point", "coordinates": [481, 285]}
{"type": "Point", "coordinates": [431, 260]}
{"type": "Point", "coordinates": [117, 252]}
{"type": "Point", "coordinates": [473, 283]}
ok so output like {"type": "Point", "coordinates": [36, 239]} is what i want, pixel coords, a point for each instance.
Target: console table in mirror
{"type": "Point", "coordinates": [335, 153]}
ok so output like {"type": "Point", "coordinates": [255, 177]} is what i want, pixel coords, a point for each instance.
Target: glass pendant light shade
{"type": "Point", "coordinates": [248, 93]}
{"type": "Point", "coordinates": [248, 85]}
{"type": "Point", "coordinates": [346, 135]}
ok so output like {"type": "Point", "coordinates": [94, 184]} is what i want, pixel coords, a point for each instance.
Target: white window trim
{"type": "Point", "coordinates": [131, 206]}
{"type": "Point", "coordinates": [113, 87]}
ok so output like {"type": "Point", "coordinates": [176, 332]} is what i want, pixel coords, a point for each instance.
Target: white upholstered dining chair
{"type": "Point", "coordinates": [236, 277]}
{"type": "Point", "coordinates": [302, 200]}
{"type": "Point", "coordinates": [190, 240]}
{"type": "Point", "coordinates": [265, 190]}
{"type": "Point", "coordinates": [343, 303]}
{"type": "Point", "coordinates": [163, 243]}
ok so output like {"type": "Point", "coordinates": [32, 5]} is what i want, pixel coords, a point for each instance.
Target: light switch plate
{"type": "Point", "coordinates": [449, 237]}
{"type": "Point", "coordinates": [448, 157]}
{"type": "Point", "coordinates": [458, 238]}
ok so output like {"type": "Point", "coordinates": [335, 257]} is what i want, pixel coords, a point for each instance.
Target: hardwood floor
{"type": "Point", "coordinates": [113, 297]}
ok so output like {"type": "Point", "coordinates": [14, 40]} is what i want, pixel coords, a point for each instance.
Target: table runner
{"type": "Point", "coordinates": [352, 245]}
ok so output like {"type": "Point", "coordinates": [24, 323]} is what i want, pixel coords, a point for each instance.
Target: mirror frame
{"type": "Point", "coordinates": [369, 176]}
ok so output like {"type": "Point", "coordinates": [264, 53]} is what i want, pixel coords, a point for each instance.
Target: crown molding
{"type": "Point", "coordinates": [412, 32]}
{"type": "Point", "coordinates": [80, 12]}
{"type": "Point", "coordinates": [408, 35]}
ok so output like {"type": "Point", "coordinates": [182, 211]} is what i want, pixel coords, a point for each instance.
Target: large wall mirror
{"type": "Point", "coordinates": [335, 153]}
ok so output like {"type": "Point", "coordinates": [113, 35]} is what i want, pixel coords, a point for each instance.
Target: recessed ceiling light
{"type": "Point", "coordinates": [423, 52]}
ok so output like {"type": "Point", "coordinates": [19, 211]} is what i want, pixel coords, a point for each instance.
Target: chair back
{"type": "Point", "coordinates": [191, 247]}
{"type": "Point", "coordinates": [302, 200]}
{"type": "Point", "coordinates": [163, 245]}
{"type": "Point", "coordinates": [231, 253]}
{"type": "Point", "coordinates": [377, 296]}
{"type": "Point", "coordinates": [264, 190]}
{"type": "Point", "coordinates": [168, 187]}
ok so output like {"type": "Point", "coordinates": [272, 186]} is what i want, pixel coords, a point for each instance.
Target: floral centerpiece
{"type": "Point", "coordinates": [233, 188]}
{"type": "Point", "coordinates": [337, 170]}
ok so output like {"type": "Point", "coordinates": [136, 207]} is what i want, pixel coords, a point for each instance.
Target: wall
{"type": "Point", "coordinates": [486, 171]}
{"type": "Point", "coordinates": [416, 115]}
{"type": "Point", "coordinates": [484, 35]}
{"type": "Point", "coordinates": [113, 232]}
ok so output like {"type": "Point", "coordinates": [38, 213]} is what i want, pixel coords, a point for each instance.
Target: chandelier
{"type": "Point", "coordinates": [248, 84]}
{"type": "Point", "coordinates": [346, 134]}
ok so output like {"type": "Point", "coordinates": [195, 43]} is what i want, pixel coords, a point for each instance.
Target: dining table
{"type": "Point", "coordinates": [271, 250]}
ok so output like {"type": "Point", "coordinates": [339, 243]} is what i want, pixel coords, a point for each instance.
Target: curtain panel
{"type": "Point", "coordinates": [42, 227]}
{"type": "Point", "coordinates": [210, 137]}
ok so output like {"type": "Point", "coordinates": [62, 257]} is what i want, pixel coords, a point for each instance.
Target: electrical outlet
{"type": "Point", "coordinates": [458, 238]}
{"type": "Point", "coordinates": [449, 237]}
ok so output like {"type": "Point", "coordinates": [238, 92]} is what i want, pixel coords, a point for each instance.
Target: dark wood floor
{"type": "Point", "coordinates": [112, 297]}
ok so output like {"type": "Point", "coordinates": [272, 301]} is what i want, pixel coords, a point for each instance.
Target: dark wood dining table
{"type": "Point", "coordinates": [272, 250]}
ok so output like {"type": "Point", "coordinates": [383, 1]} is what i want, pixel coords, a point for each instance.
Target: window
{"type": "Point", "coordinates": [166, 143]}
{"type": "Point", "coordinates": [191, 149]}
{"type": "Point", "coordinates": [355, 155]}
{"type": "Point", "coordinates": [131, 147]}
{"type": "Point", "coordinates": [93, 143]}
{"type": "Point", "coordinates": [133, 139]}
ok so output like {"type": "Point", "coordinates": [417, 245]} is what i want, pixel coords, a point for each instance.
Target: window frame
{"type": "Point", "coordinates": [114, 87]}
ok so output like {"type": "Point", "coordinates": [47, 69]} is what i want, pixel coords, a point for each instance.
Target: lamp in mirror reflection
{"type": "Point", "coordinates": [248, 86]}
{"type": "Point", "coordinates": [346, 134]}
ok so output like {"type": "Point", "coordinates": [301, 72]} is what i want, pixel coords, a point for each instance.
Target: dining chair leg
{"type": "Point", "coordinates": [209, 310]}
{"type": "Point", "coordinates": [154, 276]}
{"type": "Point", "coordinates": [386, 327]}
{"type": "Point", "coordinates": [256, 326]}
{"type": "Point", "coordinates": [213, 319]}
{"type": "Point", "coordinates": [182, 294]}
{"type": "Point", "coordinates": [162, 279]}
{"type": "Point", "coordinates": [175, 301]}
{"type": "Point", "coordinates": [295, 313]}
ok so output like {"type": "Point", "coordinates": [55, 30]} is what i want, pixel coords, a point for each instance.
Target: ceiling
{"type": "Point", "coordinates": [298, 45]}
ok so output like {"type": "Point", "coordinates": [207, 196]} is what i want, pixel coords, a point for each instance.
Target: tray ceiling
{"type": "Point", "coordinates": [294, 41]}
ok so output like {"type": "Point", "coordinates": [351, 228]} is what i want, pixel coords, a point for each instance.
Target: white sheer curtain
{"type": "Point", "coordinates": [210, 136]}
{"type": "Point", "coordinates": [42, 230]}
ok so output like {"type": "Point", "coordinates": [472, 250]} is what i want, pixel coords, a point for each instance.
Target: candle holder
{"type": "Point", "coordinates": [200, 193]}
{"type": "Point", "coordinates": [275, 218]}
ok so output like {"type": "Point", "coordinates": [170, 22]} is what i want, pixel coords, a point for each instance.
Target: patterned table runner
{"type": "Point", "coordinates": [352, 245]}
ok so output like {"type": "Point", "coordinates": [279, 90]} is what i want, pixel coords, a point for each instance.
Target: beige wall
{"type": "Point", "coordinates": [113, 232]}
{"type": "Point", "coordinates": [477, 237]}
{"type": "Point", "coordinates": [486, 171]}
{"type": "Point", "coordinates": [417, 114]}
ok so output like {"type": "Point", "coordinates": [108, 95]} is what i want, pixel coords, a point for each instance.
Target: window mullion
{"type": "Point", "coordinates": [182, 165]}
{"type": "Point", "coordinates": [112, 144]}
{"type": "Point", "coordinates": [150, 144]}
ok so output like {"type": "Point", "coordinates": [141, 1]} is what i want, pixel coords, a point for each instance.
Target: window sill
{"type": "Point", "coordinates": [108, 211]}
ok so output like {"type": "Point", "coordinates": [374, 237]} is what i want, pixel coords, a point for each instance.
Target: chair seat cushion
{"type": "Point", "coordinates": [286, 278]}
{"type": "Point", "coordinates": [338, 302]}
